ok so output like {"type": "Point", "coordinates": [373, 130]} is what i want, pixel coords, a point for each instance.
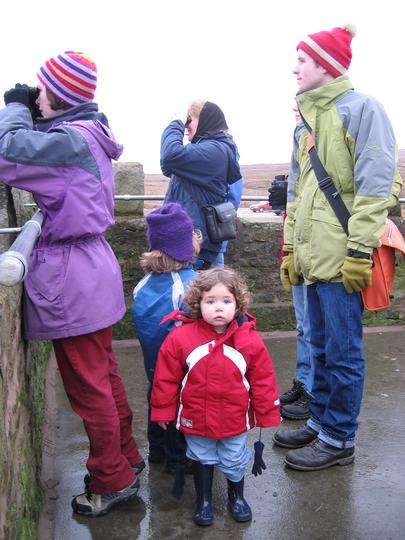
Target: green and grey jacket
{"type": "Point", "coordinates": [355, 143]}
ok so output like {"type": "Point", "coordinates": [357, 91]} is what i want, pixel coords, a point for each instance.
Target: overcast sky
{"type": "Point", "coordinates": [155, 56]}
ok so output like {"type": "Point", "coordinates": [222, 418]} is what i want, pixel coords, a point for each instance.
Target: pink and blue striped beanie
{"type": "Point", "coordinates": [71, 76]}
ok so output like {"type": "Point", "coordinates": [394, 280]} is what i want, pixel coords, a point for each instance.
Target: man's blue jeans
{"type": "Point", "coordinates": [335, 318]}
{"type": "Point", "coordinates": [304, 370]}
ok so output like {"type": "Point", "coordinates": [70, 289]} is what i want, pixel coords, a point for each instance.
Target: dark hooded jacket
{"type": "Point", "coordinates": [199, 172]}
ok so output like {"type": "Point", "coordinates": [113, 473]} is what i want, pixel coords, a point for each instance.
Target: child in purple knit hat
{"type": "Point", "coordinates": [173, 245]}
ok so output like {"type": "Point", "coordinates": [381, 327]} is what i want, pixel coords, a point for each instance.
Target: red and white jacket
{"type": "Point", "coordinates": [215, 385]}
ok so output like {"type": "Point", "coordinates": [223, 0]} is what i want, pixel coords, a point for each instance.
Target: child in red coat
{"type": "Point", "coordinates": [215, 379]}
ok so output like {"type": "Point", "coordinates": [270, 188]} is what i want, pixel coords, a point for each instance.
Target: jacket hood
{"type": "Point", "coordinates": [103, 135]}
{"type": "Point", "coordinates": [323, 97]}
{"type": "Point", "coordinates": [87, 117]}
{"type": "Point", "coordinates": [182, 316]}
{"type": "Point", "coordinates": [239, 330]}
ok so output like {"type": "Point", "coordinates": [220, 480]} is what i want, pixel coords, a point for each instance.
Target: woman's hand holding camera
{"type": "Point", "coordinates": [27, 95]}
{"type": "Point", "coordinates": [18, 94]}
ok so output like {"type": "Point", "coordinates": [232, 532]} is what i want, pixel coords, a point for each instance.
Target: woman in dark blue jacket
{"type": "Point", "coordinates": [201, 172]}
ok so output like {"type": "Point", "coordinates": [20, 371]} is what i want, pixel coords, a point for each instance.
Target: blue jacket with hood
{"type": "Point", "coordinates": [201, 171]}
{"type": "Point", "coordinates": [155, 296]}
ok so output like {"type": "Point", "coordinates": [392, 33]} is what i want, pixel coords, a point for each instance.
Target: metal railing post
{"type": "Point", "coordinates": [14, 262]}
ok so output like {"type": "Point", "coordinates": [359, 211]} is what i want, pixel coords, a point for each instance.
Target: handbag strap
{"type": "Point", "coordinates": [326, 183]}
{"type": "Point", "coordinates": [186, 187]}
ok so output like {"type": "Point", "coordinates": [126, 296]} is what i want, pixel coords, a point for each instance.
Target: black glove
{"type": "Point", "coordinates": [278, 192]}
{"type": "Point", "coordinates": [27, 95]}
{"type": "Point", "coordinates": [258, 464]}
{"type": "Point", "coordinates": [18, 94]}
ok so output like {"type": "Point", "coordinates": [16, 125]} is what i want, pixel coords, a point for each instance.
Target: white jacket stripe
{"type": "Point", "coordinates": [200, 352]}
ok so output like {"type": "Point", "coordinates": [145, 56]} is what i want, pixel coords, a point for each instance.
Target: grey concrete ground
{"type": "Point", "coordinates": [363, 501]}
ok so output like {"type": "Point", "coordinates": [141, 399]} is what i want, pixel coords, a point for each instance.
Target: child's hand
{"type": "Point", "coordinates": [163, 424]}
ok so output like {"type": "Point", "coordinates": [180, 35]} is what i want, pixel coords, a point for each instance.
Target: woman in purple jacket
{"type": "Point", "coordinates": [73, 290]}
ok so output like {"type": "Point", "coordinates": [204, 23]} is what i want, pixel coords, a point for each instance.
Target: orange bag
{"type": "Point", "coordinates": [378, 295]}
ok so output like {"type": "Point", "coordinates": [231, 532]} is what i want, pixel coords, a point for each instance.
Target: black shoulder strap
{"type": "Point", "coordinates": [327, 186]}
{"type": "Point", "coordinates": [187, 188]}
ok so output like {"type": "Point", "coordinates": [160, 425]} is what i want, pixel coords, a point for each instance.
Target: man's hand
{"type": "Point", "coordinates": [288, 275]}
{"type": "Point", "coordinates": [163, 424]}
{"type": "Point", "coordinates": [356, 271]}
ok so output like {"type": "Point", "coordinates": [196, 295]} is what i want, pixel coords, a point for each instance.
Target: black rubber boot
{"type": "Point", "coordinates": [203, 475]}
{"type": "Point", "coordinates": [239, 508]}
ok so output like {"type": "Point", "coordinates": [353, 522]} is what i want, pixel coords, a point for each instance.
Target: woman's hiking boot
{"type": "Point", "coordinates": [92, 505]}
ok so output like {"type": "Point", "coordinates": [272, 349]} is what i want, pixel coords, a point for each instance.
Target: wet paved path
{"type": "Point", "coordinates": [364, 501]}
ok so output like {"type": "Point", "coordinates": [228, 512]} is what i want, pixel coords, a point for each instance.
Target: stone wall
{"type": "Point", "coordinates": [21, 400]}
{"type": "Point", "coordinates": [255, 252]}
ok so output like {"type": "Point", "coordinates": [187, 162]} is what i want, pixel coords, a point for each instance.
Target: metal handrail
{"type": "Point", "coordinates": [14, 262]}
{"type": "Point", "coordinates": [401, 200]}
{"type": "Point", "coordinates": [126, 198]}
{"type": "Point", "coordinates": [161, 198]}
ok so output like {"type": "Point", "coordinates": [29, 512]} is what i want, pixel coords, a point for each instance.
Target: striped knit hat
{"type": "Point", "coordinates": [71, 76]}
{"type": "Point", "coordinates": [331, 49]}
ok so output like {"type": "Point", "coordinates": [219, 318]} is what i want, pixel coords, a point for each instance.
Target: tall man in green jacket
{"type": "Point", "coordinates": [356, 145]}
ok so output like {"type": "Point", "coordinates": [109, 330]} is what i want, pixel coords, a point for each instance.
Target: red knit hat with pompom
{"type": "Point", "coordinates": [331, 49]}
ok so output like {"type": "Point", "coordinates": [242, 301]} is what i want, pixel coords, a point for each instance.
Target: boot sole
{"type": "Point", "coordinates": [239, 519]}
{"type": "Point", "coordinates": [289, 416]}
{"type": "Point", "coordinates": [341, 461]}
{"type": "Point", "coordinates": [104, 511]}
{"type": "Point", "coordinates": [291, 446]}
{"type": "Point", "coordinates": [77, 510]}
{"type": "Point", "coordinates": [203, 524]}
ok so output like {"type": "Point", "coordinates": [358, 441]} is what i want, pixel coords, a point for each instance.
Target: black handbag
{"type": "Point", "coordinates": [220, 220]}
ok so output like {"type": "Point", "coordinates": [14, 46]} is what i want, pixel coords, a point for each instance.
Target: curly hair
{"type": "Point", "coordinates": [207, 279]}
{"type": "Point", "coordinates": [157, 262]}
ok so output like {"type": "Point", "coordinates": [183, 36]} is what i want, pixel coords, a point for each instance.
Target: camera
{"type": "Point", "coordinates": [33, 94]}
{"type": "Point", "coordinates": [278, 193]}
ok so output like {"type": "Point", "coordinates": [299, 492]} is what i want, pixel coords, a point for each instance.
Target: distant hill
{"type": "Point", "coordinates": [257, 179]}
